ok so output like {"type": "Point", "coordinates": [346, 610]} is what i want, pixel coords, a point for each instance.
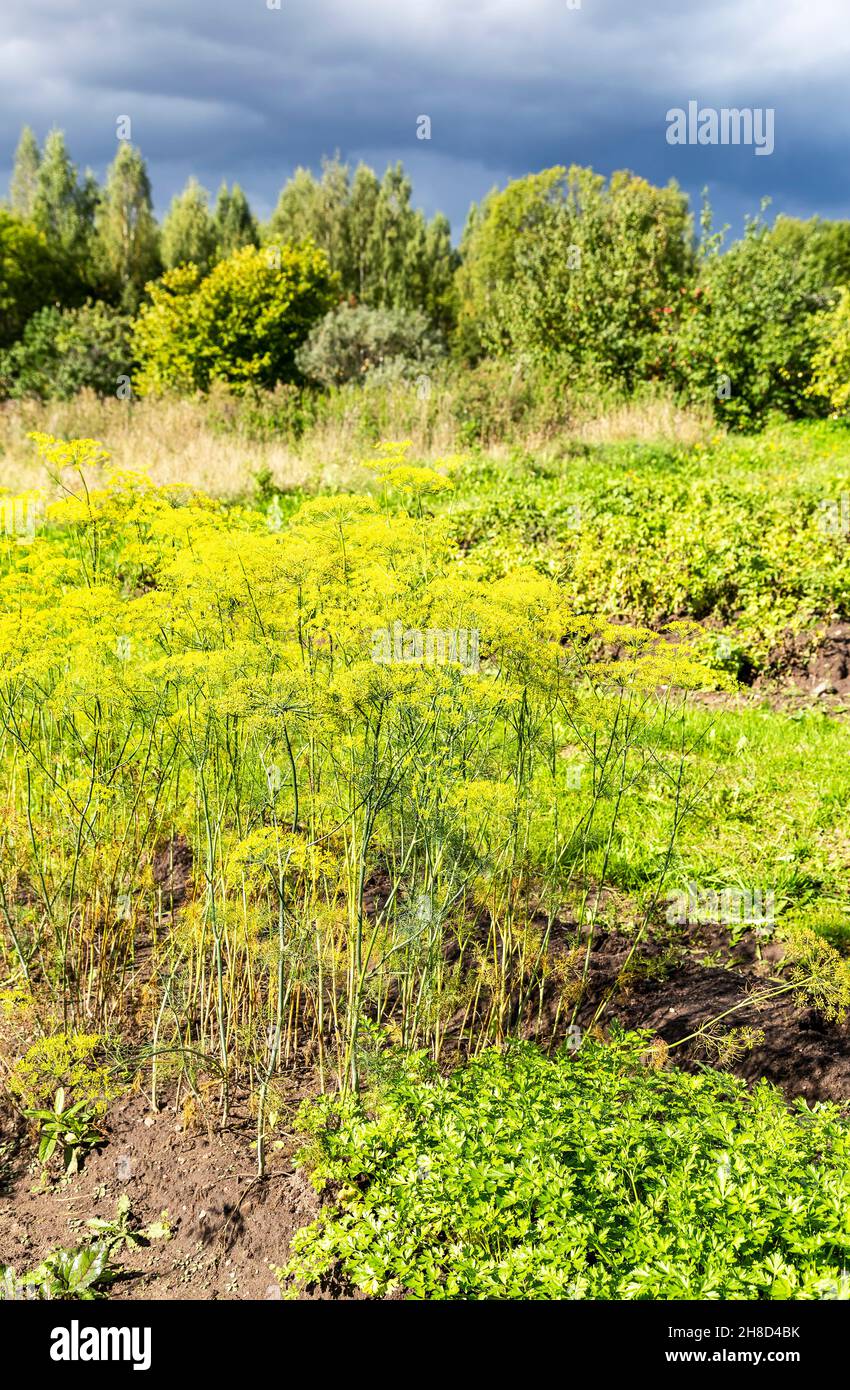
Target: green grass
{"type": "Point", "coordinates": [731, 535]}
{"type": "Point", "coordinates": [772, 815]}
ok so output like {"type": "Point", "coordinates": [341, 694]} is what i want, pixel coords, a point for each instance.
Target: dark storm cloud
{"type": "Point", "coordinates": [240, 91]}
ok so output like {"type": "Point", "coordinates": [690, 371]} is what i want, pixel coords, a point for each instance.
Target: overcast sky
{"type": "Point", "coordinates": [234, 89]}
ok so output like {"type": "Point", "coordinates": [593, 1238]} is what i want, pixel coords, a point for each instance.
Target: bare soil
{"type": "Point", "coordinates": [816, 663]}
{"type": "Point", "coordinates": [803, 1053]}
{"type": "Point", "coordinates": [228, 1227]}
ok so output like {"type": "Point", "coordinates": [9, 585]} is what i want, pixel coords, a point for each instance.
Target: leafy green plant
{"type": "Point", "coordinates": [79, 1274]}
{"type": "Point", "coordinates": [353, 342]}
{"type": "Point", "coordinates": [71, 1126]}
{"type": "Point", "coordinates": [33, 272]}
{"type": "Point", "coordinates": [747, 330]}
{"type": "Point", "coordinates": [63, 351]}
{"type": "Point", "coordinates": [241, 323]}
{"type": "Point", "coordinates": [745, 536]}
{"type": "Point", "coordinates": [578, 272]}
{"type": "Point", "coordinates": [120, 1231]}
{"type": "Point", "coordinates": [82, 1274]}
{"type": "Point", "coordinates": [594, 1175]}
{"type": "Point", "coordinates": [831, 360]}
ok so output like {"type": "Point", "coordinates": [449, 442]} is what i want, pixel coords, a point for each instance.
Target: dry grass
{"type": "Point", "coordinates": [171, 441]}
{"type": "Point", "coordinates": [187, 441]}
{"type": "Point", "coordinates": [175, 441]}
{"type": "Point", "coordinates": [652, 419]}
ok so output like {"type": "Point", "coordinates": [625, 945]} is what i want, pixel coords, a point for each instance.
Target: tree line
{"type": "Point", "coordinates": [599, 282]}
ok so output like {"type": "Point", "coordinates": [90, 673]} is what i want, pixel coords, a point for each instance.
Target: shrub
{"type": "Point", "coordinates": [241, 324]}
{"type": "Point", "coordinates": [562, 266]}
{"type": "Point", "coordinates": [747, 332]}
{"type": "Point", "coordinates": [63, 351]}
{"type": "Point", "coordinates": [497, 398]}
{"type": "Point", "coordinates": [831, 359]}
{"type": "Point", "coordinates": [353, 341]}
{"type": "Point", "coordinates": [824, 246]}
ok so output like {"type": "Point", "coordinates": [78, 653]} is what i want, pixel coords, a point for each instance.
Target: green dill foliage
{"type": "Point", "coordinates": [485, 786]}
{"type": "Point", "coordinates": [590, 1175]}
{"type": "Point", "coordinates": [71, 1062]}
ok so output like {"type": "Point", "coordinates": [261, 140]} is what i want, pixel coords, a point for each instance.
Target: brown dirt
{"type": "Point", "coordinates": [804, 1054]}
{"type": "Point", "coordinates": [228, 1228]}
{"type": "Point", "coordinates": [803, 666]}
{"type": "Point", "coordinates": [815, 663]}
{"type": "Point", "coordinates": [173, 874]}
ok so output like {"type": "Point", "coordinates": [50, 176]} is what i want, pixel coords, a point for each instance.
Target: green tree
{"type": "Point", "coordinates": [242, 323]}
{"type": "Point", "coordinates": [564, 266]}
{"type": "Point", "coordinates": [831, 359]}
{"type": "Point", "coordinates": [821, 247]}
{"type": "Point", "coordinates": [749, 329]}
{"type": "Point", "coordinates": [63, 207]}
{"type": "Point", "coordinates": [383, 249]}
{"type": "Point", "coordinates": [363, 200]}
{"type": "Point", "coordinates": [24, 184]}
{"type": "Point", "coordinates": [437, 272]}
{"type": "Point", "coordinates": [317, 210]}
{"type": "Point", "coordinates": [410, 262]}
{"type": "Point", "coordinates": [488, 261]}
{"type": "Point", "coordinates": [33, 272]}
{"type": "Point", "coordinates": [189, 233]}
{"type": "Point", "coordinates": [128, 238]}
{"type": "Point", "coordinates": [235, 224]}
{"type": "Point", "coordinates": [63, 350]}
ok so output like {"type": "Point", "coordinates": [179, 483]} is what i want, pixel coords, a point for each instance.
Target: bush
{"type": "Point", "coordinates": [63, 351]}
{"type": "Point", "coordinates": [562, 267]}
{"type": "Point", "coordinates": [241, 324]}
{"type": "Point", "coordinates": [748, 331]}
{"type": "Point", "coordinates": [588, 1176]}
{"type": "Point", "coordinates": [824, 248]}
{"type": "Point", "coordinates": [353, 341]}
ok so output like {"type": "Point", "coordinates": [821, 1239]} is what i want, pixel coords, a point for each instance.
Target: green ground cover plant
{"type": "Point", "coordinates": [588, 1175]}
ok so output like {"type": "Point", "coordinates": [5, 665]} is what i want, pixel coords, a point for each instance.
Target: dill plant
{"type": "Point", "coordinates": [373, 845]}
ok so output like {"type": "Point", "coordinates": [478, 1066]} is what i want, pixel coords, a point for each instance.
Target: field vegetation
{"type": "Point", "coordinates": [423, 744]}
